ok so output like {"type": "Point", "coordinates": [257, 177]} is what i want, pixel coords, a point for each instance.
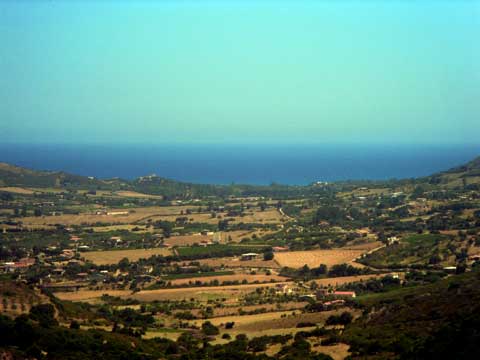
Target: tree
{"type": "Point", "coordinates": [222, 225]}
{"type": "Point", "coordinates": [268, 255]}
{"type": "Point", "coordinates": [74, 325]}
{"type": "Point", "coordinates": [209, 329]}
{"type": "Point", "coordinates": [124, 264]}
{"type": "Point", "coordinates": [44, 314]}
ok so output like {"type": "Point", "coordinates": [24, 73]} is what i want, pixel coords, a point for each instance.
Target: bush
{"type": "Point", "coordinates": [209, 329]}
{"type": "Point", "coordinates": [344, 319]}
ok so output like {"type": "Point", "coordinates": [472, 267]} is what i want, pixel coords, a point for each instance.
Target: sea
{"type": "Point", "coordinates": [242, 164]}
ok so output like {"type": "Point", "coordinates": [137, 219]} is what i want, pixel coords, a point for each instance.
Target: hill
{"type": "Point", "coordinates": [15, 176]}
{"type": "Point", "coordinates": [440, 320]}
{"type": "Point", "coordinates": [462, 175]}
{"type": "Point", "coordinates": [11, 175]}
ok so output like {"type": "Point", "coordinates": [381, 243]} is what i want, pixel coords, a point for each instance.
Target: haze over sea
{"type": "Point", "coordinates": [247, 164]}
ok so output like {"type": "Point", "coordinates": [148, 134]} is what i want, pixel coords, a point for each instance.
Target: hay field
{"type": "Point", "coordinates": [270, 320]}
{"type": "Point", "coordinates": [186, 240]}
{"type": "Point", "coordinates": [235, 262]}
{"type": "Point", "coordinates": [337, 281]}
{"type": "Point", "coordinates": [17, 190]}
{"type": "Point", "coordinates": [233, 310]}
{"type": "Point", "coordinates": [114, 256]}
{"type": "Point", "coordinates": [235, 277]}
{"type": "Point", "coordinates": [365, 246]}
{"type": "Point", "coordinates": [269, 216]}
{"type": "Point", "coordinates": [90, 295]}
{"type": "Point", "coordinates": [195, 217]}
{"type": "Point", "coordinates": [134, 215]}
{"type": "Point", "coordinates": [135, 194]}
{"type": "Point", "coordinates": [120, 227]}
{"type": "Point", "coordinates": [201, 293]}
{"type": "Point", "coordinates": [338, 351]}
{"type": "Point", "coordinates": [313, 258]}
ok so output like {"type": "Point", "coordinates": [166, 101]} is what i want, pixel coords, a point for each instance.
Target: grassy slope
{"type": "Point", "coordinates": [414, 249]}
{"type": "Point", "coordinates": [441, 320]}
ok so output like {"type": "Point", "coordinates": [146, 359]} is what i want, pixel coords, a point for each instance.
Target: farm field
{"type": "Point", "coordinates": [202, 293]}
{"type": "Point", "coordinates": [120, 227]}
{"type": "Point", "coordinates": [194, 217]}
{"type": "Point", "coordinates": [17, 190]}
{"type": "Point", "coordinates": [368, 246]}
{"type": "Point", "coordinates": [313, 258]}
{"type": "Point", "coordinates": [220, 236]}
{"type": "Point", "coordinates": [218, 250]}
{"type": "Point", "coordinates": [271, 307]}
{"type": "Point", "coordinates": [266, 323]}
{"type": "Point", "coordinates": [135, 194]}
{"type": "Point", "coordinates": [269, 216]}
{"type": "Point", "coordinates": [236, 277]}
{"type": "Point", "coordinates": [114, 256]}
{"type": "Point", "coordinates": [134, 215]}
{"type": "Point", "coordinates": [337, 281]}
{"type": "Point", "coordinates": [236, 262]}
{"type": "Point", "coordinates": [187, 240]}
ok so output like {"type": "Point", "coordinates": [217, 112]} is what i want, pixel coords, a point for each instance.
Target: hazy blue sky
{"type": "Point", "coordinates": [241, 71]}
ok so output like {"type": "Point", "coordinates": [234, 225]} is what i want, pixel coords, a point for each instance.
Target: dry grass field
{"type": "Point", "coordinates": [233, 310]}
{"type": "Point", "coordinates": [134, 215]}
{"type": "Point", "coordinates": [221, 237]}
{"type": "Point", "coordinates": [186, 240]}
{"type": "Point", "coordinates": [202, 293]}
{"type": "Point", "coordinates": [269, 216]}
{"type": "Point", "coordinates": [120, 227]}
{"type": "Point", "coordinates": [368, 246]}
{"type": "Point", "coordinates": [251, 324]}
{"type": "Point", "coordinates": [235, 262]}
{"type": "Point", "coordinates": [235, 277]}
{"type": "Point", "coordinates": [135, 194]}
{"type": "Point", "coordinates": [17, 299]}
{"type": "Point", "coordinates": [195, 217]}
{"type": "Point", "coordinates": [337, 352]}
{"type": "Point", "coordinates": [313, 258]}
{"type": "Point", "coordinates": [337, 281]}
{"type": "Point", "coordinates": [114, 256]}
{"type": "Point", "coordinates": [92, 296]}
{"type": "Point", "coordinates": [17, 190]}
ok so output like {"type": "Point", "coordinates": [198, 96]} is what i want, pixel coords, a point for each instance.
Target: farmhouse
{"type": "Point", "coordinates": [116, 213]}
{"type": "Point", "coordinates": [283, 289]}
{"type": "Point", "coordinates": [344, 294]}
{"type": "Point", "coordinates": [248, 256]}
{"type": "Point", "coordinates": [323, 293]}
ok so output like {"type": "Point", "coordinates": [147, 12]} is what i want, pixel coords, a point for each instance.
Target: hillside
{"type": "Point", "coordinates": [14, 176]}
{"type": "Point", "coordinates": [11, 175]}
{"type": "Point", "coordinates": [441, 320]}
{"type": "Point", "coordinates": [462, 175]}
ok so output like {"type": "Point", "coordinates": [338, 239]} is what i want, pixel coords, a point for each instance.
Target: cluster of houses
{"type": "Point", "coordinates": [13, 266]}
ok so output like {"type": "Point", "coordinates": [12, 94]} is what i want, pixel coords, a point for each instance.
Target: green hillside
{"type": "Point", "coordinates": [437, 321]}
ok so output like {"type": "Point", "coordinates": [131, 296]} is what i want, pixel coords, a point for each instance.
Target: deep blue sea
{"type": "Point", "coordinates": [252, 164]}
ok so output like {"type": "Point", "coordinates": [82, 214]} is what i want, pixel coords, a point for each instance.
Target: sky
{"type": "Point", "coordinates": [240, 72]}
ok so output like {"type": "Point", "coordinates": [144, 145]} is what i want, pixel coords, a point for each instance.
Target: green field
{"type": "Point", "coordinates": [413, 249]}
{"type": "Point", "coordinates": [194, 275]}
{"type": "Point", "coordinates": [217, 250]}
